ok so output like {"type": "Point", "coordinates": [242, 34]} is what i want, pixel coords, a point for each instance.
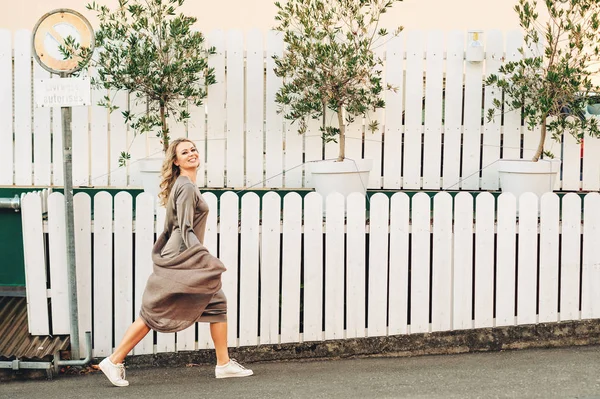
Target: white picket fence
{"type": "Point", "coordinates": [409, 265]}
{"type": "Point", "coordinates": [432, 132]}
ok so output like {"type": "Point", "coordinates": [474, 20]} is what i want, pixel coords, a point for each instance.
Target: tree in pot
{"type": "Point", "coordinates": [152, 53]}
{"type": "Point", "coordinates": [329, 63]}
{"type": "Point", "coordinates": [551, 85]}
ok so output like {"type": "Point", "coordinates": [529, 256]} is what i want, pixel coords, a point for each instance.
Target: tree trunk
{"type": "Point", "coordinates": [165, 129]}
{"type": "Point", "coordinates": [342, 143]}
{"type": "Point", "coordinates": [540, 148]}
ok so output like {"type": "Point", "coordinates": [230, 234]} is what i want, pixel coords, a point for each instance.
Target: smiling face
{"type": "Point", "coordinates": [187, 156]}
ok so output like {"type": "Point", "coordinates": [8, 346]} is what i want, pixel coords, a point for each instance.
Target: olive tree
{"type": "Point", "coordinates": [151, 51]}
{"type": "Point", "coordinates": [551, 84]}
{"type": "Point", "coordinates": [330, 62]}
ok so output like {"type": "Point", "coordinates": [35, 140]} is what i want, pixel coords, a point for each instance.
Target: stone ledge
{"type": "Point", "coordinates": [545, 335]}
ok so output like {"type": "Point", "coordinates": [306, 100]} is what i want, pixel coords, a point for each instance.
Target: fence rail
{"type": "Point", "coordinates": [397, 266]}
{"type": "Point", "coordinates": [433, 135]}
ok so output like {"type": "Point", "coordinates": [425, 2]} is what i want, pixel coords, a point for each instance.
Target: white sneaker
{"type": "Point", "coordinates": [114, 372]}
{"type": "Point", "coordinates": [232, 369]}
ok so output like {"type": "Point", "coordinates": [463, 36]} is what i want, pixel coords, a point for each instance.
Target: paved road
{"type": "Point", "coordinates": [556, 373]}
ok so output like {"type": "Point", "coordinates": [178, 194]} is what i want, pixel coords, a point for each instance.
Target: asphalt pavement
{"type": "Point", "coordinates": [547, 373]}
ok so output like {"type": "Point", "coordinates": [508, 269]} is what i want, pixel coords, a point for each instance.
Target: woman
{"type": "Point", "coordinates": [185, 286]}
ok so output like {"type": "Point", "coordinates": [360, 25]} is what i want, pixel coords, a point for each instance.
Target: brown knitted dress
{"type": "Point", "coordinates": [185, 286]}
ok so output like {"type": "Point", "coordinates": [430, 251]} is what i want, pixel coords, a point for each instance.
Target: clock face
{"type": "Point", "coordinates": [50, 33]}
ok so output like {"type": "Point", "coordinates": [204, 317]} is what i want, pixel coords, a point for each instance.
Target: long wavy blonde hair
{"type": "Point", "coordinates": [170, 172]}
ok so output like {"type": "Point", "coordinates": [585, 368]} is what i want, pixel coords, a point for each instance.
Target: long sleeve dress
{"type": "Point", "coordinates": [185, 286]}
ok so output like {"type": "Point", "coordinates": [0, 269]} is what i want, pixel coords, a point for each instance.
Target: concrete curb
{"type": "Point", "coordinates": [546, 335]}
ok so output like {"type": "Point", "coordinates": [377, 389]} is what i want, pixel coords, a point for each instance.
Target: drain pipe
{"type": "Point", "coordinates": [52, 367]}
{"type": "Point", "coordinates": [11, 203]}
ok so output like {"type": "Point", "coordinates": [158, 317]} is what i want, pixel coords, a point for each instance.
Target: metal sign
{"type": "Point", "coordinates": [64, 92]}
{"type": "Point", "coordinates": [50, 33]}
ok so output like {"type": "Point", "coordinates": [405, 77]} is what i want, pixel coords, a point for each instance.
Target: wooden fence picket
{"type": "Point", "coordinates": [313, 267]}
{"type": "Point", "coordinates": [590, 295]}
{"type": "Point", "coordinates": [35, 265]}
{"type": "Point", "coordinates": [249, 269]}
{"type": "Point", "coordinates": [22, 111]}
{"type": "Point", "coordinates": [57, 249]}
{"type": "Point", "coordinates": [144, 241]}
{"type": "Point", "coordinates": [505, 260]}
{"type": "Point", "coordinates": [123, 252]}
{"type": "Point", "coordinates": [355, 265]}
{"type": "Point", "coordinates": [442, 253]}
{"type": "Point", "coordinates": [228, 253]}
{"type": "Point", "coordinates": [419, 263]}
{"type": "Point", "coordinates": [334, 266]}
{"type": "Point", "coordinates": [269, 268]}
{"type": "Point", "coordinates": [527, 259]}
{"type": "Point", "coordinates": [6, 108]}
{"type": "Point", "coordinates": [570, 257]}
{"type": "Point", "coordinates": [549, 249]}
{"type": "Point", "coordinates": [235, 109]}
{"type": "Point", "coordinates": [291, 268]}
{"type": "Point", "coordinates": [462, 293]}
{"type": "Point", "coordinates": [484, 260]}
{"type": "Point", "coordinates": [378, 264]}
{"type": "Point", "coordinates": [103, 274]}
{"type": "Point", "coordinates": [82, 209]}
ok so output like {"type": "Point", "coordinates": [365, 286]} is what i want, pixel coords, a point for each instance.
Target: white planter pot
{"type": "Point", "coordinates": [344, 177]}
{"type": "Point", "coordinates": [150, 173]}
{"type": "Point", "coordinates": [519, 176]}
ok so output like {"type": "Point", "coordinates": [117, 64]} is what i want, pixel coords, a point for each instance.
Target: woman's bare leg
{"type": "Point", "coordinates": [218, 332]}
{"type": "Point", "coordinates": [134, 334]}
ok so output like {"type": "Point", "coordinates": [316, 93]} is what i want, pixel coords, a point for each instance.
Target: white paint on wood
{"type": "Point", "coordinates": [334, 267]}
{"type": "Point", "coordinates": [591, 166]}
{"type": "Point", "coordinates": [42, 150]}
{"type": "Point", "coordinates": [123, 252]}
{"type": "Point", "coordinates": [254, 109]}
{"type": "Point", "coordinates": [590, 294]}
{"type": "Point", "coordinates": [505, 260]}
{"type": "Point", "coordinates": [82, 205]}
{"type": "Point", "coordinates": [274, 145]}
{"type": "Point", "coordinates": [549, 244]}
{"type": "Point", "coordinates": [441, 301]}
{"type": "Point", "coordinates": [463, 262]}
{"type": "Point", "coordinates": [103, 274]}
{"type": "Point", "coordinates": [432, 137]}
{"type": "Point", "coordinates": [419, 263]}
{"type": "Point", "coordinates": [398, 275]}
{"type": "Point", "coordinates": [378, 264]}
{"type": "Point", "coordinates": [571, 165]}
{"type": "Point", "coordinates": [494, 53]}
{"type": "Point", "coordinates": [484, 260]}
{"type": "Point", "coordinates": [414, 110]}
{"type": "Point", "coordinates": [570, 257]}
{"type": "Point", "coordinates": [216, 137]}
{"type": "Point", "coordinates": [313, 267]}
{"type": "Point", "coordinates": [455, 45]}
{"type": "Point", "coordinates": [22, 112]}
{"type": "Point", "coordinates": [355, 266]}
{"type": "Point", "coordinates": [394, 106]}
{"type": "Point", "coordinates": [99, 143]}
{"type": "Point", "coordinates": [269, 268]}
{"type": "Point", "coordinates": [58, 264]}
{"type": "Point", "coordinates": [6, 108]}
{"type": "Point", "coordinates": [511, 136]}
{"type": "Point", "coordinates": [228, 253]}
{"type": "Point", "coordinates": [35, 264]}
{"type": "Point", "coordinates": [291, 268]}
{"type": "Point", "coordinates": [249, 269]}
{"type": "Point", "coordinates": [235, 109]}
{"type": "Point", "coordinates": [527, 261]}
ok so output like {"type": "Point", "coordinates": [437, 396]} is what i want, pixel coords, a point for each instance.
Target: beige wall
{"type": "Point", "coordinates": [250, 14]}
